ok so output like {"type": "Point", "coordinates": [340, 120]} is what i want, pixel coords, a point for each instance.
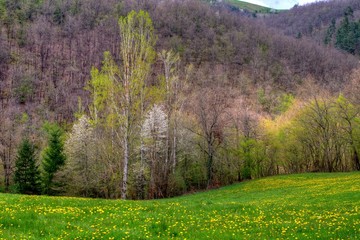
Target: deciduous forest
{"type": "Point", "coordinates": [152, 99]}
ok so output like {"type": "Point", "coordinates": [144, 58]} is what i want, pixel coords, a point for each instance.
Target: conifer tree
{"type": "Point", "coordinates": [330, 32]}
{"type": "Point", "coordinates": [53, 158]}
{"type": "Point", "coordinates": [27, 175]}
{"type": "Point", "coordinates": [348, 34]}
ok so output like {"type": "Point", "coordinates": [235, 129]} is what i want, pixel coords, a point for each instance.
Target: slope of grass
{"type": "Point", "coordinates": [305, 206]}
{"type": "Point", "coordinates": [248, 6]}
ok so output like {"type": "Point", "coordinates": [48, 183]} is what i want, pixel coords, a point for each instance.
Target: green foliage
{"type": "Point", "coordinates": [24, 88]}
{"type": "Point", "coordinates": [2, 10]}
{"type": "Point", "coordinates": [176, 43]}
{"type": "Point", "coordinates": [330, 32]}
{"type": "Point", "coordinates": [349, 12]}
{"type": "Point", "coordinates": [27, 175]}
{"type": "Point", "coordinates": [177, 184]}
{"type": "Point", "coordinates": [139, 181]}
{"type": "Point", "coordinates": [304, 206]}
{"type": "Point", "coordinates": [251, 153]}
{"type": "Point", "coordinates": [21, 36]}
{"type": "Point", "coordinates": [246, 153]}
{"type": "Point", "coordinates": [100, 87]}
{"type": "Point", "coordinates": [53, 158]}
{"type": "Point", "coordinates": [348, 118]}
{"type": "Point", "coordinates": [285, 101]}
{"type": "Point", "coordinates": [263, 99]}
{"type": "Point", "coordinates": [24, 118]}
{"type": "Point", "coordinates": [119, 90]}
{"type": "Point", "coordinates": [19, 11]}
{"type": "Point", "coordinates": [59, 16]}
{"type": "Point", "coordinates": [246, 171]}
{"type": "Point", "coordinates": [348, 34]}
{"type": "Point", "coordinates": [138, 41]}
{"type": "Point", "coordinates": [75, 7]}
{"type": "Point", "coordinates": [113, 85]}
{"type": "Point", "coordinates": [275, 103]}
{"type": "Point", "coordinates": [193, 171]}
{"type": "Point", "coordinates": [320, 135]}
{"type": "Point", "coordinates": [344, 36]}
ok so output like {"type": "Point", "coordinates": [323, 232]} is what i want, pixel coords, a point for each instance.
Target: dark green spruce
{"type": "Point", "coordinates": [348, 34]}
{"type": "Point", "coordinates": [53, 159]}
{"type": "Point", "coordinates": [27, 175]}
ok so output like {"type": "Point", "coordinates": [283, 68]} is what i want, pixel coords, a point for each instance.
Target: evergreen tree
{"type": "Point", "coordinates": [343, 36]}
{"type": "Point", "coordinates": [53, 158]}
{"type": "Point", "coordinates": [330, 32]}
{"type": "Point", "coordinates": [348, 34]}
{"type": "Point", "coordinates": [349, 12]}
{"type": "Point", "coordinates": [27, 175]}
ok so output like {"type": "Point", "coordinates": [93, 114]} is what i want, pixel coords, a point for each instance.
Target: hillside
{"type": "Point", "coordinates": [153, 99]}
{"type": "Point", "coordinates": [248, 6]}
{"type": "Point", "coordinates": [305, 206]}
{"type": "Point", "coordinates": [50, 75]}
{"type": "Point", "coordinates": [312, 20]}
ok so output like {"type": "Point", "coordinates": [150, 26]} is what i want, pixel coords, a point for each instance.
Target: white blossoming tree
{"type": "Point", "coordinates": [154, 130]}
{"type": "Point", "coordinates": [80, 149]}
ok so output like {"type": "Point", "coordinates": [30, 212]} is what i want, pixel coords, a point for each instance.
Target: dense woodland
{"type": "Point", "coordinates": [328, 22]}
{"type": "Point", "coordinates": [151, 99]}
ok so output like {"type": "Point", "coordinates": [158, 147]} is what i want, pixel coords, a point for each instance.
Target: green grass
{"type": "Point", "coordinates": [305, 206]}
{"type": "Point", "coordinates": [248, 6]}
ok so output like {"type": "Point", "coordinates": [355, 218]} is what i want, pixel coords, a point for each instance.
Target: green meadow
{"type": "Point", "coordinates": [304, 206]}
{"type": "Point", "coordinates": [249, 6]}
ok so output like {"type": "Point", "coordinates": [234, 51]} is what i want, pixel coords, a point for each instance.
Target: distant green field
{"type": "Point", "coordinates": [249, 6]}
{"type": "Point", "coordinates": [305, 206]}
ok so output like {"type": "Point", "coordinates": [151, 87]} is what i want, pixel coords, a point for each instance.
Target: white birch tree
{"type": "Point", "coordinates": [170, 61]}
{"type": "Point", "coordinates": [121, 96]}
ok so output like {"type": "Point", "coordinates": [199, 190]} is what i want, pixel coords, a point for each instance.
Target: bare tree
{"type": "Point", "coordinates": [349, 114]}
{"type": "Point", "coordinates": [10, 135]}
{"type": "Point", "coordinates": [209, 110]}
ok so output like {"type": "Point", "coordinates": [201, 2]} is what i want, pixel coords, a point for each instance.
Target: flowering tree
{"type": "Point", "coordinates": [154, 133]}
{"type": "Point", "coordinates": [80, 147]}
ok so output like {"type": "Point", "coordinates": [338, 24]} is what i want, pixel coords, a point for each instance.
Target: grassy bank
{"type": "Point", "coordinates": [304, 206]}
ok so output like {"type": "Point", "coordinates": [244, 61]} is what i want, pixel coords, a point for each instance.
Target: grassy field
{"type": "Point", "coordinates": [249, 6]}
{"type": "Point", "coordinates": [306, 206]}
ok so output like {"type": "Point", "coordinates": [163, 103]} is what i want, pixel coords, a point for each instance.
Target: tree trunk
{"type": "Point", "coordinates": [7, 163]}
{"type": "Point", "coordinates": [356, 159]}
{"type": "Point", "coordinates": [174, 146]}
{"type": "Point", "coordinates": [6, 171]}
{"type": "Point", "coordinates": [209, 165]}
{"type": "Point", "coordinates": [126, 163]}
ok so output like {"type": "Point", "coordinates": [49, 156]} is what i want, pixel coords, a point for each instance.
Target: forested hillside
{"type": "Point", "coordinates": [244, 7]}
{"type": "Point", "coordinates": [200, 96]}
{"type": "Point", "coordinates": [334, 23]}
